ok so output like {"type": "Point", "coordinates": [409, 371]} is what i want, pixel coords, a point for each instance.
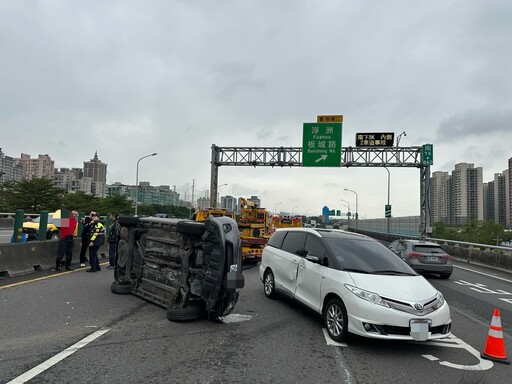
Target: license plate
{"type": "Point", "coordinates": [419, 329]}
{"type": "Point", "coordinates": [433, 258]}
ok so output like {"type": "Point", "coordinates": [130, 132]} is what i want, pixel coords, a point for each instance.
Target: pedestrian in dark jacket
{"type": "Point", "coordinates": [86, 237]}
{"type": "Point", "coordinates": [112, 239]}
{"type": "Point", "coordinates": [96, 241]}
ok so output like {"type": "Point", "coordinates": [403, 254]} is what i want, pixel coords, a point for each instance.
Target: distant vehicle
{"type": "Point", "coordinates": [203, 213]}
{"type": "Point", "coordinates": [31, 228]}
{"type": "Point", "coordinates": [254, 226]}
{"type": "Point", "coordinates": [355, 283]}
{"type": "Point", "coordinates": [191, 268]}
{"type": "Point", "coordinates": [423, 256]}
{"type": "Point", "coordinates": [286, 221]}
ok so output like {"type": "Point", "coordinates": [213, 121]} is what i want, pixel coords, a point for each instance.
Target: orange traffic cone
{"type": "Point", "coordinates": [495, 345]}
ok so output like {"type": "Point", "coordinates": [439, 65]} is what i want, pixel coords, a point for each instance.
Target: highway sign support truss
{"type": "Point", "coordinates": [398, 157]}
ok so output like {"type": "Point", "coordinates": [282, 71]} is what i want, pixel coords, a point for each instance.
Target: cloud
{"type": "Point", "coordinates": [475, 123]}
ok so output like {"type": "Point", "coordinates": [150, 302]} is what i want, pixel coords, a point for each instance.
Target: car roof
{"type": "Point", "coordinates": [326, 232]}
{"type": "Point", "coordinates": [420, 242]}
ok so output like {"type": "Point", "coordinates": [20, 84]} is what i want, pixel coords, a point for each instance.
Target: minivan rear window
{"type": "Point", "coordinates": [276, 240]}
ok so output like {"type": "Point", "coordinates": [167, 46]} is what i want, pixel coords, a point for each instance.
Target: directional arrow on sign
{"type": "Point", "coordinates": [323, 157]}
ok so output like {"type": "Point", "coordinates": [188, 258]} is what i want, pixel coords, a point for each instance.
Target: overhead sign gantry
{"type": "Point", "coordinates": [399, 157]}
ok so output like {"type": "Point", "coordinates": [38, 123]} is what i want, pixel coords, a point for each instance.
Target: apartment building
{"type": "Point", "coordinates": [467, 200]}
{"type": "Point", "coordinates": [9, 170]}
{"type": "Point", "coordinates": [37, 168]}
{"type": "Point", "coordinates": [96, 170]}
{"type": "Point", "coordinates": [72, 180]}
{"type": "Point", "coordinates": [439, 196]}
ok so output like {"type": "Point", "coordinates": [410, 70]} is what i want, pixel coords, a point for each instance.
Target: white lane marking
{"type": "Point", "coordinates": [331, 341]}
{"type": "Point", "coordinates": [430, 357]}
{"type": "Point", "coordinates": [454, 342]}
{"type": "Point", "coordinates": [235, 318]}
{"type": "Point", "coordinates": [58, 357]}
{"type": "Point", "coordinates": [483, 273]}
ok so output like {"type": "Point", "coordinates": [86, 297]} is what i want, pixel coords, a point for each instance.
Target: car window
{"type": "Point", "coordinates": [294, 242]}
{"type": "Point", "coordinates": [314, 246]}
{"type": "Point", "coordinates": [401, 246]}
{"type": "Point", "coordinates": [427, 249]}
{"type": "Point", "coordinates": [366, 256]}
{"type": "Point", "coordinates": [276, 240]}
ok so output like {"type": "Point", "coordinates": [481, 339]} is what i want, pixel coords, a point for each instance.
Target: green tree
{"type": "Point", "coordinates": [116, 204]}
{"type": "Point", "coordinates": [80, 201]}
{"type": "Point", "coordinates": [441, 230]}
{"type": "Point", "coordinates": [33, 195]}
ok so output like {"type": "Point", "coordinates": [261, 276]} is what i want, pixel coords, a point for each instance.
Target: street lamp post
{"type": "Point", "coordinates": [275, 207]}
{"type": "Point", "coordinates": [348, 204]}
{"type": "Point", "coordinates": [354, 192]}
{"type": "Point", "coordinates": [218, 193]}
{"type": "Point", "coordinates": [293, 209]}
{"type": "Point", "coordinates": [388, 218]}
{"type": "Point", "coordinates": [137, 182]}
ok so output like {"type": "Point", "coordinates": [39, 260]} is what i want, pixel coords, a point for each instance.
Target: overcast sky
{"type": "Point", "coordinates": [129, 78]}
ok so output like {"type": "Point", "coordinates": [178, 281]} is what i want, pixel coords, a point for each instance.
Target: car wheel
{"type": "Point", "coordinates": [269, 284]}
{"type": "Point", "coordinates": [190, 227]}
{"type": "Point", "coordinates": [122, 289]}
{"type": "Point", "coordinates": [190, 312]}
{"type": "Point", "coordinates": [336, 320]}
{"type": "Point", "coordinates": [54, 236]}
{"type": "Point", "coordinates": [445, 275]}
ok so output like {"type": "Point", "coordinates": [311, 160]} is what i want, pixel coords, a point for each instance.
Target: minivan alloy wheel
{"type": "Point", "coordinates": [269, 285]}
{"type": "Point", "coordinates": [336, 320]}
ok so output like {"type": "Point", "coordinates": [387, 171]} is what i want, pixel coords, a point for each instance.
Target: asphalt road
{"type": "Point", "coordinates": [263, 341]}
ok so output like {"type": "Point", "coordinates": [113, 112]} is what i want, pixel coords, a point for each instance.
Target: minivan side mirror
{"type": "Point", "coordinates": [313, 259]}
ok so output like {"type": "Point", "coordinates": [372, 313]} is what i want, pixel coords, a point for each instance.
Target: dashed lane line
{"type": "Point", "coordinates": [57, 358]}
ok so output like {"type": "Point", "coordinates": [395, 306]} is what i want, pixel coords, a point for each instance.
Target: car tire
{"type": "Point", "coordinates": [269, 284]}
{"type": "Point", "coordinates": [190, 312]}
{"type": "Point", "coordinates": [336, 320]}
{"type": "Point", "coordinates": [445, 275]}
{"type": "Point", "coordinates": [190, 227]}
{"type": "Point", "coordinates": [53, 236]}
{"type": "Point", "coordinates": [121, 289]}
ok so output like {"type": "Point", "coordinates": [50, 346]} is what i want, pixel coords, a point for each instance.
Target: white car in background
{"type": "Point", "coordinates": [355, 283]}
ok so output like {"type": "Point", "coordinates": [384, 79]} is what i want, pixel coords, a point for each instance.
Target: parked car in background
{"type": "Point", "coordinates": [424, 256]}
{"type": "Point", "coordinates": [355, 283]}
{"type": "Point", "coordinates": [31, 228]}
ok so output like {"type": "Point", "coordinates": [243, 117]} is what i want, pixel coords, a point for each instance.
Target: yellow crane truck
{"type": "Point", "coordinates": [254, 227]}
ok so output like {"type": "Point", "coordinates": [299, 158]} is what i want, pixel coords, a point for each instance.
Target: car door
{"type": "Point", "coordinates": [286, 274]}
{"type": "Point", "coordinates": [310, 274]}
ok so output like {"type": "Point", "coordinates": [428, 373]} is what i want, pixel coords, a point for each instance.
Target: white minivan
{"type": "Point", "coordinates": [355, 283]}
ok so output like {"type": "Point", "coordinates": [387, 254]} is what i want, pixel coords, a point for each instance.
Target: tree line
{"type": "Point", "coordinates": [36, 195]}
{"type": "Point", "coordinates": [473, 231]}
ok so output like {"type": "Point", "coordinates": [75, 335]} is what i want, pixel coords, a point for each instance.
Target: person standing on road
{"type": "Point", "coordinates": [86, 237]}
{"type": "Point", "coordinates": [65, 246]}
{"type": "Point", "coordinates": [113, 236]}
{"type": "Point", "coordinates": [95, 242]}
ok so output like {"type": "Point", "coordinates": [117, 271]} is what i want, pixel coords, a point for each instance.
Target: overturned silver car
{"type": "Point", "coordinates": [191, 268]}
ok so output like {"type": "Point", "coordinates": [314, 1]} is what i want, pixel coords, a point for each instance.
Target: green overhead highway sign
{"type": "Point", "coordinates": [321, 145]}
{"type": "Point", "coordinates": [427, 154]}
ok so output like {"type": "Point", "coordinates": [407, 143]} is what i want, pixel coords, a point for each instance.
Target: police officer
{"type": "Point", "coordinates": [96, 240]}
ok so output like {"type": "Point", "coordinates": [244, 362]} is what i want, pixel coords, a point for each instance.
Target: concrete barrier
{"type": "Point", "coordinates": [25, 258]}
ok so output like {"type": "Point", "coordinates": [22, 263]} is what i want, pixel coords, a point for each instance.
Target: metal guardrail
{"type": "Point", "coordinates": [474, 246]}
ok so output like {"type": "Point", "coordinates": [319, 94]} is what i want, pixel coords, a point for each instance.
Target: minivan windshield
{"type": "Point", "coordinates": [367, 256]}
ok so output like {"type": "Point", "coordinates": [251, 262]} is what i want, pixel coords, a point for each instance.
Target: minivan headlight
{"type": "Point", "coordinates": [439, 300]}
{"type": "Point", "coordinates": [368, 296]}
